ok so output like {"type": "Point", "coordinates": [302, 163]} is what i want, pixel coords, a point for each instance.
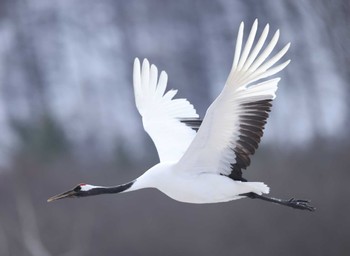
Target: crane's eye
{"type": "Point", "coordinates": [77, 188]}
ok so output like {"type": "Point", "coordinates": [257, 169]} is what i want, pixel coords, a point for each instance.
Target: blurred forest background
{"type": "Point", "coordinates": [67, 115]}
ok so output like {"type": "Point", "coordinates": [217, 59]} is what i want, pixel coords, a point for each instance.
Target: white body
{"type": "Point", "coordinates": [194, 167]}
{"type": "Point", "coordinates": [195, 187]}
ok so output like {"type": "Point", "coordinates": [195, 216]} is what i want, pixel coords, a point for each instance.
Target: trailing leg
{"type": "Point", "coordinates": [294, 203]}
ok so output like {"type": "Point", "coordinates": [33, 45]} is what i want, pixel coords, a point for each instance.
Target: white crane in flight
{"type": "Point", "coordinates": [202, 161]}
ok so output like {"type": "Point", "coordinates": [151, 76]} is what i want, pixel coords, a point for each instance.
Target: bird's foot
{"type": "Point", "coordinates": [300, 204]}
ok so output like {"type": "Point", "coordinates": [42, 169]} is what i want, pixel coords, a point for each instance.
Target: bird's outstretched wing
{"type": "Point", "coordinates": [233, 125]}
{"type": "Point", "coordinates": [171, 123]}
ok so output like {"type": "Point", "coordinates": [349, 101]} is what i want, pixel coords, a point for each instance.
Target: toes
{"type": "Point", "coordinates": [307, 207]}
{"type": "Point", "coordinates": [303, 201]}
{"type": "Point", "coordinates": [310, 208]}
{"type": "Point", "coordinates": [301, 204]}
{"type": "Point", "coordinates": [293, 200]}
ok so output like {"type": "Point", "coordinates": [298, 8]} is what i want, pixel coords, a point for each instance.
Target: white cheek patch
{"type": "Point", "coordinates": [88, 187]}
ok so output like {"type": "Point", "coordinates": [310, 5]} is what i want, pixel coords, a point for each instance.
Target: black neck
{"type": "Point", "coordinates": [107, 190]}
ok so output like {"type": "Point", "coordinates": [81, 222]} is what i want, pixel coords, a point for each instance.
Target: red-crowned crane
{"type": "Point", "coordinates": [202, 161]}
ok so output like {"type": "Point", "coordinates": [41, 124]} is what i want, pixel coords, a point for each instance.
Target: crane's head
{"type": "Point", "coordinates": [79, 191]}
{"type": "Point", "coordinates": [83, 189]}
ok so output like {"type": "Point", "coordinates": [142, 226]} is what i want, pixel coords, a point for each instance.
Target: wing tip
{"type": "Point", "coordinates": [255, 23]}
{"type": "Point", "coordinates": [145, 64]}
{"type": "Point", "coordinates": [285, 64]}
{"type": "Point", "coordinates": [164, 74]}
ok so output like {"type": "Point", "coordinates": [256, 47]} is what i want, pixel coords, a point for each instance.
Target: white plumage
{"type": "Point", "coordinates": [206, 166]}
{"type": "Point", "coordinates": [160, 112]}
{"type": "Point", "coordinates": [194, 168]}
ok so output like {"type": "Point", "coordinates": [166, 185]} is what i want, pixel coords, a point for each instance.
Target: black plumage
{"type": "Point", "coordinates": [252, 124]}
{"type": "Point", "coordinates": [194, 123]}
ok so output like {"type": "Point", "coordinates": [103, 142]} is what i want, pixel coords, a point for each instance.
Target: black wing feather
{"type": "Point", "coordinates": [252, 124]}
{"type": "Point", "coordinates": [194, 123]}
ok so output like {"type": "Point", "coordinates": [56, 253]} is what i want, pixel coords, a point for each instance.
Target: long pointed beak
{"type": "Point", "coordinates": [70, 193]}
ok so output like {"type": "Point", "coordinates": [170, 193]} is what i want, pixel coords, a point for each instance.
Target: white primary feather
{"type": "Point", "coordinates": [212, 150]}
{"type": "Point", "coordinates": [161, 114]}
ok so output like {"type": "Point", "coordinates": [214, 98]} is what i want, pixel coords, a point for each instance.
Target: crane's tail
{"type": "Point", "coordinates": [259, 188]}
